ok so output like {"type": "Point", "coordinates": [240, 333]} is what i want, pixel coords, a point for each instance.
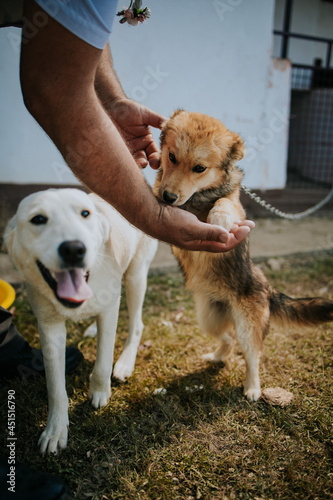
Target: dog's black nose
{"type": "Point", "coordinates": [72, 252]}
{"type": "Point", "coordinates": [169, 197]}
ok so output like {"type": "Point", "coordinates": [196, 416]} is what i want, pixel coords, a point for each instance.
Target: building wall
{"type": "Point", "coordinates": [213, 57]}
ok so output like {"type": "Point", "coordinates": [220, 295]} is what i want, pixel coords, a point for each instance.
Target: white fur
{"type": "Point", "coordinates": [114, 249]}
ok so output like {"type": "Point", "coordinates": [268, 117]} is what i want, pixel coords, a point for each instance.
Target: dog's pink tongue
{"type": "Point", "coordinates": [71, 285]}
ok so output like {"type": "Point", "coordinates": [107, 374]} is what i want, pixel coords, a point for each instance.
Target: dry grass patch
{"type": "Point", "coordinates": [197, 437]}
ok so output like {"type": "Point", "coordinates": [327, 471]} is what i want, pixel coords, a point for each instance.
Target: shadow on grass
{"type": "Point", "coordinates": [182, 400]}
{"type": "Point", "coordinates": [136, 436]}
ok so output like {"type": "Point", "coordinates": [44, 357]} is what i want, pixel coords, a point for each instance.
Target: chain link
{"type": "Point", "coordinates": [276, 211]}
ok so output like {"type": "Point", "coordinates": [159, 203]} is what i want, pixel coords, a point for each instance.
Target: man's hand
{"type": "Point", "coordinates": [182, 229]}
{"type": "Point", "coordinates": [228, 240]}
{"type": "Point", "coordinates": [134, 122]}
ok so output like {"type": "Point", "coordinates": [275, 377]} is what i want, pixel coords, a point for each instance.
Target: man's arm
{"type": "Point", "coordinates": [133, 120]}
{"type": "Point", "coordinates": [58, 73]}
{"type": "Point", "coordinates": [107, 84]}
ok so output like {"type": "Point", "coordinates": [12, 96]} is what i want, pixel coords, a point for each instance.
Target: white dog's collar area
{"type": "Point", "coordinates": [70, 287]}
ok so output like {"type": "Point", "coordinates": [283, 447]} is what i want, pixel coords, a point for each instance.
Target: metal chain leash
{"type": "Point", "coordinates": [284, 215]}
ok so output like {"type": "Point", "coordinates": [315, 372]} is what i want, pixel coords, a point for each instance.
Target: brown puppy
{"type": "Point", "coordinates": [232, 296]}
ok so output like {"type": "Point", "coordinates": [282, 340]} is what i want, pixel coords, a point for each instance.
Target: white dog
{"type": "Point", "coordinates": [73, 249]}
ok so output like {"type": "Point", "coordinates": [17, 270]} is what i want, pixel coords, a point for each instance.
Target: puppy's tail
{"type": "Point", "coordinates": [305, 312]}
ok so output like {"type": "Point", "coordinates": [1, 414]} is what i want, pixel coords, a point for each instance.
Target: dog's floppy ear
{"type": "Point", "coordinates": [237, 150]}
{"type": "Point", "coordinates": [9, 234]}
{"type": "Point", "coordinates": [101, 215]}
{"type": "Point", "coordinates": [104, 225]}
{"type": "Point", "coordinates": [166, 125]}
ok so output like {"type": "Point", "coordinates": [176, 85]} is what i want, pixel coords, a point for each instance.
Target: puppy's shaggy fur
{"type": "Point", "coordinates": [73, 250]}
{"type": "Point", "coordinates": [233, 298]}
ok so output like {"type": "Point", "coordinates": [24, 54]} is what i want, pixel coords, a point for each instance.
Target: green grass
{"type": "Point", "coordinates": [201, 438]}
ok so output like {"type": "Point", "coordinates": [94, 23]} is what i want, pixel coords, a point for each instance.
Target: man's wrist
{"type": "Point", "coordinates": [108, 92]}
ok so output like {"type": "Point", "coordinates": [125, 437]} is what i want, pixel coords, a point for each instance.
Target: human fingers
{"type": "Point", "coordinates": [227, 243]}
{"type": "Point", "coordinates": [219, 239]}
{"type": "Point", "coordinates": [140, 158]}
{"type": "Point", "coordinates": [145, 150]}
{"type": "Point", "coordinates": [152, 118]}
{"type": "Point", "coordinates": [238, 235]}
{"type": "Point", "coordinates": [153, 154]}
{"type": "Point", "coordinates": [137, 147]}
{"type": "Point", "coordinates": [154, 160]}
{"type": "Point", "coordinates": [137, 143]}
{"type": "Point", "coordinates": [247, 223]}
{"type": "Point", "coordinates": [142, 161]}
{"type": "Point", "coordinates": [184, 230]}
{"type": "Point", "coordinates": [218, 244]}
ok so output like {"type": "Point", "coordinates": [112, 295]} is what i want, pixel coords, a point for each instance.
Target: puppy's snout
{"type": "Point", "coordinates": [72, 252]}
{"type": "Point", "coordinates": [169, 197]}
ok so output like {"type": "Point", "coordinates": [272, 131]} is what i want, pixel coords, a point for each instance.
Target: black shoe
{"type": "Point", "coordinates": [28, 362]}
{"type": "Point", "coordinates": [23, 483]}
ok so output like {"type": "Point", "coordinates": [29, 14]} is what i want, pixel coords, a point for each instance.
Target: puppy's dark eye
{"type": "Point", "coordinates": [172, 158]}
{"type": "Point", "coordinates": [198, 169]}
{"type": "Point", "coordinates": [85, 213]}
{"type": "Point", "coordinates": [38, 220]}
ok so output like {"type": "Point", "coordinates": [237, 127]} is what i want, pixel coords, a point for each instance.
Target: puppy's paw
{"type": "Point", "coordinates": [99, 398]}
{"type": "Point", "coordinates": [252, 394]}
{"type": "Point", "coordinates": [53, 438]}
{"type": "Point", "coordinates": [219, 218]}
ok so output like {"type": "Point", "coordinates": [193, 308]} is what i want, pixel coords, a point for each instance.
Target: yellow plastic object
{"type": "Point", "coordinates": [7, 294]}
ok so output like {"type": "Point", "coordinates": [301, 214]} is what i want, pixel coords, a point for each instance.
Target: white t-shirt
{"type": "Point", "coordinates": [90, 20]}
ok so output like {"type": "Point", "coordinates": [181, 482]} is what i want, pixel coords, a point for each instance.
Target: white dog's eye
{"type": "Point", "coordinates": [198, 169]}
{"type": "Point", "coordinates": [38, 220]}
{"type": "Point", "coordinates": [85, 213]}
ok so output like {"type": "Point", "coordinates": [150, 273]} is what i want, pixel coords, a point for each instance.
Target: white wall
{"type": "Point", "coordinates": [27, 154]}
{"type": "Point", "coordinates": [213, 57]}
